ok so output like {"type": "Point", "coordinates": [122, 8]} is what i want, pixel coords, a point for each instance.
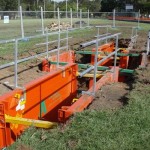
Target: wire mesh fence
{"type": "Point", "coordinates": [35, 22]}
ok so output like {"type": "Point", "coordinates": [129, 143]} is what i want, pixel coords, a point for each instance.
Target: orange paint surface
{"type": "Point", "coordinates": [42, 97]}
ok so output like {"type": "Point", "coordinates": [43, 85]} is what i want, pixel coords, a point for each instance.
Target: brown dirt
{"type": "Point", "coordinates": [110, 96]}
{"type": "Point", "coordinates": [26, 73]}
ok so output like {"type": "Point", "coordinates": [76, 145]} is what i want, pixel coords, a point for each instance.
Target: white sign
{"type": "Point", "coordinates": [6, 19]}
{"type": "Point", "coordinates": [128, 6]}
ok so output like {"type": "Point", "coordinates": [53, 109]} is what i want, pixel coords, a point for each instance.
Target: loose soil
{"type": "Point", "coordinates": [110, 96]}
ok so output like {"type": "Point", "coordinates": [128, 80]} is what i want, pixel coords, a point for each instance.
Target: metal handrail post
{"type": "Point", "coordinates": [16, 64]}
{"type": "Point", "coordinates": [66, 9]}
{"type": "Point", "coordinates": [114, 18]}
{"type": "Point", "coordinates": [97, 31]}
{"type": "Point", "coordinates": [21, 21]}
{"type": "Point", "coordinates": [95, 67]}
{"type": "Point", "coordinates": [58, 17]}
{"type": "Point", "coordinates": [88, 17]}
{"type": "Point", "coordinates": [80, 18]}
{"type": "Point", "coordinates": [148, 43]}
{"type": "Point", "coordinates": [58, 52]}
{"type": "Point", "coordinates": [107, 32]}
{"type": "Point", "coordinates": [71, 16]}
{"type": "Point", "coordinates": [67, 40]}
{"type": "Point", "coordinates": [47, 42]}
{"type": "Point", "coordinates": [115, 60]}
{"type": "Point", "coordinates": [42, 22]}
{"type": "Point", "coordinates": [139, 19]}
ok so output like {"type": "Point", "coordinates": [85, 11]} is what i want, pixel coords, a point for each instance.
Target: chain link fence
{"type": "Point", "coordinates": [36, 22]}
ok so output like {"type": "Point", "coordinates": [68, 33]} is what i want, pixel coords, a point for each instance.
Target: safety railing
{"type": "Point", "coordinates": [148, 44]}
{"type": "Point", "coordinates": [97, 63]}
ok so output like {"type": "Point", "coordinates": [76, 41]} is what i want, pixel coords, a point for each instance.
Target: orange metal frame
{"type": "Point", "coordinates": [43, 97]}
{"type": "Point", "coordinates": [82, 103]}
{"type": "Point", "coordinates": [50, 97]}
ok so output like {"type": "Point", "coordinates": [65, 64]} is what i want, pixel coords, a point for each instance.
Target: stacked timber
{"type": "Point", "coordinates": [54, 26]}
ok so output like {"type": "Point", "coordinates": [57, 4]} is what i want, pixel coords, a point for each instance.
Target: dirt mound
{"type": "Point", "coordinates": [124, 43]}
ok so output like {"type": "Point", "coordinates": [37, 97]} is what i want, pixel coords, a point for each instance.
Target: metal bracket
{"type": "Point", "coordinates": [88, 93]}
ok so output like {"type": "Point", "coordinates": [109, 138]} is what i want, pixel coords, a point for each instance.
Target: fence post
{"type": "Point", "coordinates": [88, 18]}
{"type": "Point", "coordinates": [139, 19]}
{"type": "Point", "coordinates": [77, 8]}
{"type": "Point", "coordinates": [95, 66]}
{"type": "Point", "coordinates": [66, 9]}
{"type": "Point", "coordinates": [47, 41]}
{"type": "Point", "coordinates": [21, 21]}
{"type": "Point", "coordinates": [54, 10]}
{"type": "Point", "coordinates": [114, 18]}
{"type": "Point", "coordinates": [42, 23]}
{"type": "Point", "coordinates": [16, 64]}
{"type": "Point", "coordinates": [71, 16]}
{"type": "Point", "coordinates": [148, 43]}
{"type": "Point", "coordinates": [80, 18]}
{"type": "Point", "coordinates": [115, 60]}
{"type": "Point", "coordinates": [58, 47]}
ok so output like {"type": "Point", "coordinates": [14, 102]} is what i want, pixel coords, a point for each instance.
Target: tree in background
{"type": "Point", "coordinates": [92, 5]}
{"type": "Point", "coordinates": [8, 5]}
{"type": "Point", "coordinates": [109, 5]}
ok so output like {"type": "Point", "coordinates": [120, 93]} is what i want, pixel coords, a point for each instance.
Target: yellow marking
{"type": "Point", "coordinates": [74, 100]}
{"type": "Point", "coordinates": [15, 126]}
{"type": "Point", "coordinates": [99, 56]}
{"type": "Point", "coordinates": [22, 102]}
{"type": "Point", "coordinates": [90, 75]}
{"type": "Point", "coordinates": [29, 122]}
{"type": "Point", "coordinates": [17, 96]}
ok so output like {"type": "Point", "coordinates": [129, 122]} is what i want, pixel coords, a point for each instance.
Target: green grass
{"type": "Point", "coordinates": [123, 129]}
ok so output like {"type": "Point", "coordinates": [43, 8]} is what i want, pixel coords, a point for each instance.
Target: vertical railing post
{"type": "Point", "coordinates": [54, 10]}
{"type": "Point", "coordinates": [42, 22]}
{"type": "Point", "coordinates": [114, 18]}
{"type": "Point", "coordinates": [67, 40]}
{"type": "Point", "coordinates": [21, 21]}
{"type": "Point", "coordinates": [148, 43]}
{"type": "Point", "coordinates": [16, 64]}
{"type": "Point", "coordinates": [115, 60]}
{"type": "Point", "coordinates": [80, 18]}
{"type": "Point", "coordinates": [71, 17]}
{"type": "Point", "coordinates": [95, 66]}
{"type": "Point", "coordinates": [58, 17]}
{"type": "Point", "coordinates": [47, 42]}
{"type": "Point", "coordinates": [58, 47]}
{"type": "Point", "coordinates": [66, 9]}
{"type": "Point", "coordinates": [139, 19]}
{"type": "Point", "coordinates": [88, 18]}
{"type": "Point", "coordinates": [97, 31]}
{"type": "Point", "coordinates": [77, 8]}
{"type": "Point", "coordinates": [107, 33]}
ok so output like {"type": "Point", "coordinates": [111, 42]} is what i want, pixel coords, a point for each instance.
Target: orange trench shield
{"type": "Point", "coordinates": [39, 99]}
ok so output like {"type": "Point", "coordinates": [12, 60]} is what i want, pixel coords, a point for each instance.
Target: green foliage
{"type": "Point", "coordinates": [8, 5]}
{"type": "Point", "coordinates": [109, 5]}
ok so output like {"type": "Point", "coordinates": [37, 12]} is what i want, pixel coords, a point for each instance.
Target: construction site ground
{"type": "Point", "coordinates": [29, 70]}
{"type": "Point", "coordinates": [108, 100]}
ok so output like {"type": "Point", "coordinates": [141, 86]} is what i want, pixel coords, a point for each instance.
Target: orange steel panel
{"type": "Point", "coordinates": [85, 100]}
{"type": "Point", "coordinates": [124, 60]}
{"type": "Point", "coordinates": [41, 98]}
{"type": "Point", "coordinates": [68, 56]}
{"type": "Point", "coordinates": [109, 47]}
